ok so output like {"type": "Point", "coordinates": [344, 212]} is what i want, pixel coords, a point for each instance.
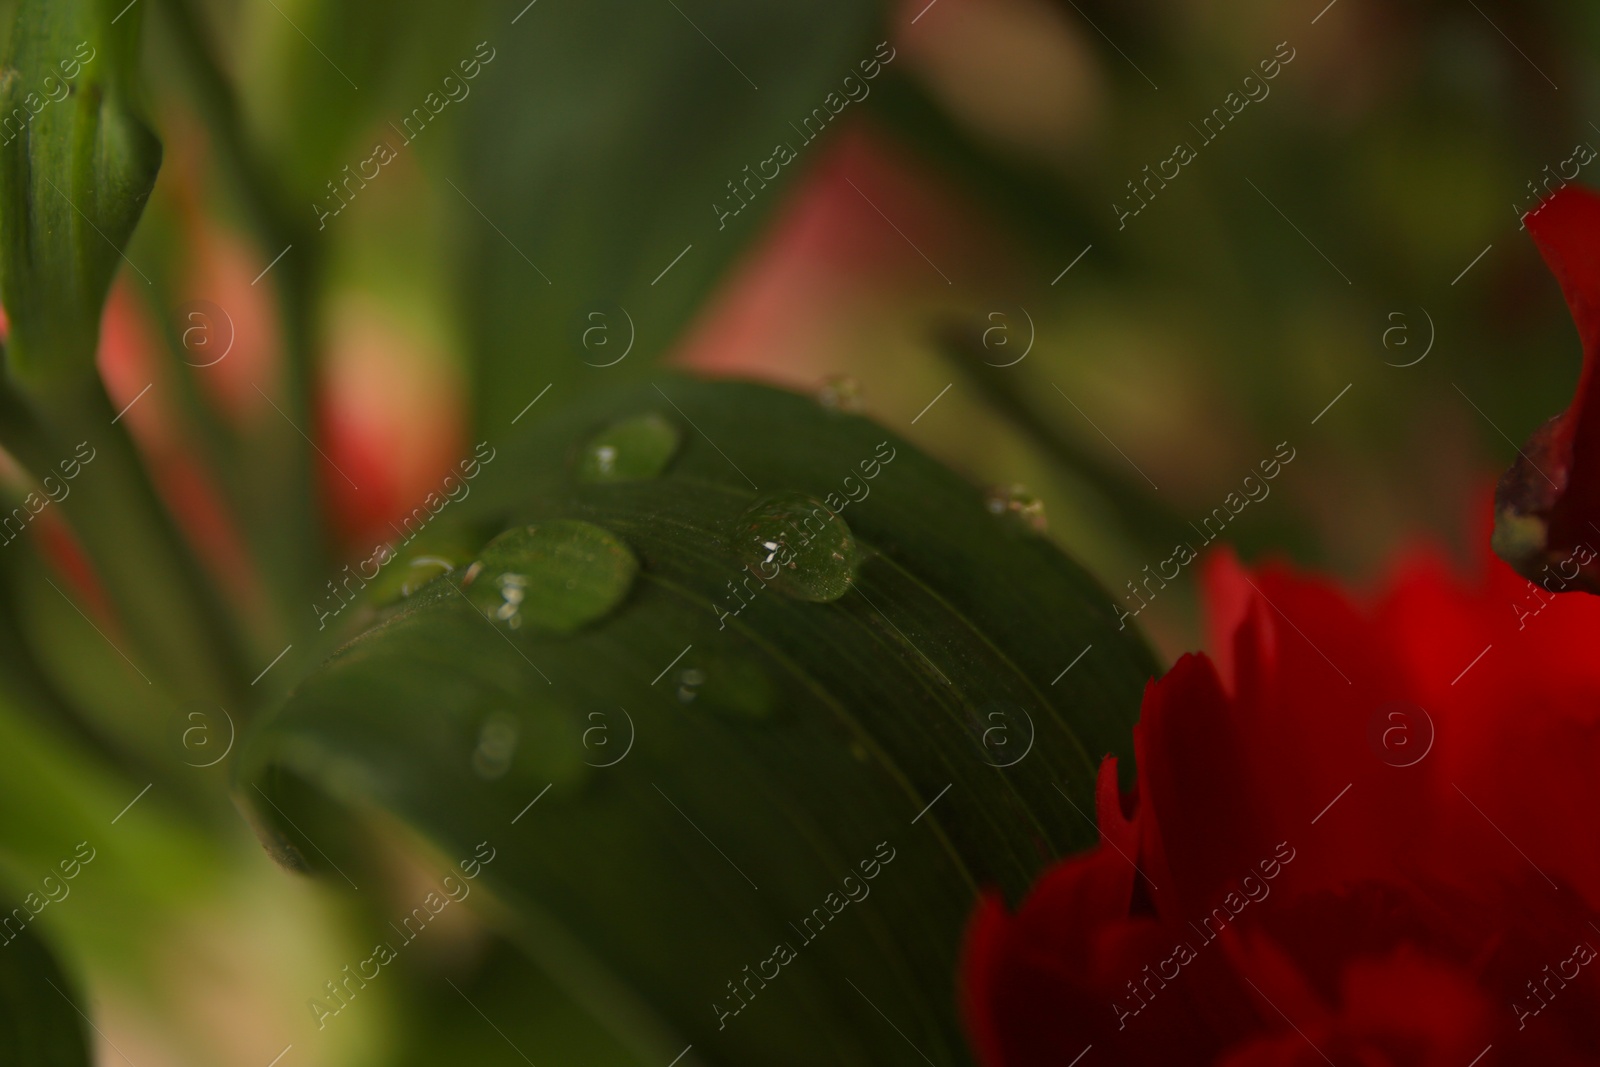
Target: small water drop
{"type": "Point", "coordinates": [422, 570]}
{"type": "Point", "coordinates": [555, 576]}
{"type": "Point", "coordinates": [1019, 503]}
{"type": "Point", "coordinates": [689, 683]}
{"type": "Point", "coordinates": [497, 744]}
{"type": "Point", "coordinates": [513, 590]}
{"type": "Point", "coordinates": [629, 450]}
{"type": "Point", "coordinates": [416, 561]}
{"type": "Point", "coordinates": [859, 751]}
{"type": "Point", "coordinates": [840, 392]}
{"type": "Point", "coordinates": [796, 545]}
{"type": "Point", "coordinates": [731, 684]}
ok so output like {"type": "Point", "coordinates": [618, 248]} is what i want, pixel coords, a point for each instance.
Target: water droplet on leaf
{"type": "Point", "coordinates": [409, 565]}
{"type": "Point", "coordinates": [523, 735]}
{"type": "Point", "coordinates": [731, 684]}
{"type": "Point", "coordinates": [840, 392]}
{"type": "Point", "coordinates": [1020, 504]}
{"type": "Point", "coordinates": [794, 544]}
{"type": "Point", "coordinates": [497, 744]}
{"type": "Point", "coordinates": [421, 570]}
{"type": "Point", "coordinates": [629, 450]}
{"type": "Point", "coordinates": [555, 576]}
{"type": "Point", "coordinates": [689, 683]}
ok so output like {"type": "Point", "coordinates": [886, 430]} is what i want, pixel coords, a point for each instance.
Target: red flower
{"type": "Point", "coordinates": [1365, 834]}
{"type": "Point", "coordinates": [1548, 503]}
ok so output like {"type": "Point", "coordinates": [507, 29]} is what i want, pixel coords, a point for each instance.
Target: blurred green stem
{"type": "Point", "coordinates": [287, 532]}
{"type": "Point", "coordinates": [1147, 521]}
{"type": "Point", "coordinates": [167, 607]}
{"type": "Point", "coordinates": [32, 691]}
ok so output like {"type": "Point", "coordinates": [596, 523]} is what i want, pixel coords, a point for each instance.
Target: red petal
{"type": "Point", "coordinates": [1115, 827]}
{"type": "Point", "coordinates": [981, 960]}
{"type": "Point", "coordinates": [1201, 813]}
{"type": "Point", "coordinates": [1566, 229]}
{"type": "Point", "coordinates": [1227, 595]}
{"type": "Point", "coordinates": [1052, 977]}
{"type": "Point", "coordinates": [1549, 502]}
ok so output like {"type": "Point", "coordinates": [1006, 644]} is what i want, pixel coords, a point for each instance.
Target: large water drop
{"type": "Point", "coordinates": [555, 576]}
{"type": "Point", "coordinates": [629, 450]}
{"type": "Point", "coordinates": [797, 546]}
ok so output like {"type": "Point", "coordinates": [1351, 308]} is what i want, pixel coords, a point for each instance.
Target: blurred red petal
{"type": "Point", "coordinates": [1201, 825]}
{"type": "Point", "coordinates": [390, 424]}
{"type": "Point", "coordinates": [1548, 503]}
{"type": "Point", "coordinates": [1566, 230]}
{"type": "Point", "coordinates": [982, 948]}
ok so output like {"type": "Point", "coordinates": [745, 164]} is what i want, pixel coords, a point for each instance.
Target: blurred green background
{"type": "Point", "coordinates": [955, 227]}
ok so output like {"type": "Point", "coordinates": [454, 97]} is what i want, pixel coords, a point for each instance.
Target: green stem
{"type": "Point", "coordinates": [219, 107]}
{"type": "Point", "coordinates": [28, 688]}
{"type": "Point", "coordinates": [286, 528]}
{"type": "Point", "coordinates": [169, 611]}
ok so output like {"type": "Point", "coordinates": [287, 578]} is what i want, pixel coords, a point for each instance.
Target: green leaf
{"type": "Point", "coordinates": [39, 1025]}
{"type": "Point", "coordinates": [922, 689]}
{"type": "Point", "coordinates": [599, 209]}
{"type": "Point", "coordinates": [500, 1007]}
{"type": "Point", "coordinates": [76, 166]}
{"type": "Point", "coordinates": [329, 76]}
{"type": "Point", "coordinates": [144, 875]}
